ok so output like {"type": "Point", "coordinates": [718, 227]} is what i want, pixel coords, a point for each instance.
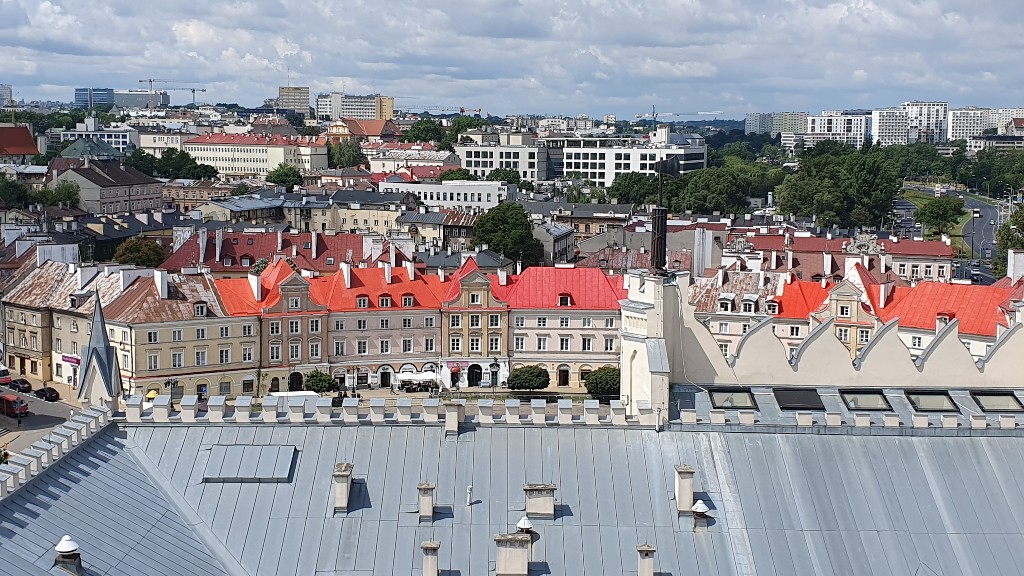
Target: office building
{"type": "Point", "coordinates": [294, 98]}
{"type": "Point", "coordinates": [92, 97]}
{"type": "Point", "coordinates": [254, 155]}
{"type": "Point", "coordinates": [123, 138]}
{"type": "Point", "coordinates": [6, 94]}
{"type": "Point", "coordinates": [141, 98]}
{"type": "Point", "coordinates": [517, 150]}
{"type": "Point", "coordinates": [788, 122]}
{"type": "Point", "coordinates": [758, 123]}
{"type": "Point", "coordinates": [338, 105]}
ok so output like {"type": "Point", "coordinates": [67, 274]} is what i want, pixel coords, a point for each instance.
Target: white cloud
{"type": "Point", "coordinates": [552, 56]}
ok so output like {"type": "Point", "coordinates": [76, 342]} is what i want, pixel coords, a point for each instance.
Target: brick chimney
{"type": "Point", "coordinates": [645, 560]}
{"type": "Point", "coordinates": [430, 557]}
{"type": "Point", "coordinates": [342, 485]}
{"type": "Point", "coordinates": [426, 500]}
{"type": "Point", "coordinates": [410, 268]}
{"type": "Point", "coordinates": [684, 488]}
{"type": "Point", "coordinates": [160, 280]}
{"type": "Point", "coordinates": [280, 240]}
{"type": "Point", "coordinates": [513, 554]}
{"type": "Point", "coordinates": [540, 500]}
{"type": "Point", "coordinates": [203, 234]}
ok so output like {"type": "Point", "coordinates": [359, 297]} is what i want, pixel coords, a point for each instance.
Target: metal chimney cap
{"type": "Point", "coordinates": [700, 507]}
{"type": "Point", "coordinates": [66, 546]}
{"type": "Point", "coordinates": [524, 524]}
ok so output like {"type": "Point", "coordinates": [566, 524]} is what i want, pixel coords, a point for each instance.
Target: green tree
{"type": "Point", "coordinates": [309, 131]}
{"type": "Point", "coordinates": [64, 191]}
{"type": "Point", "coordinates": [456, 174]}
{"type": "Point", "coordinates": [507, 229]}
{"type": "Point", "coordinates": [141, 252]}
{"type": "Point", "coordinates": [603, 382]}
{"type": "Point", "coordinates": [259, 266]}
{"type": "Point", "coordinates": [241, 189]}
{"type": "Point", "coordinates": [14, 194]}
{"type": "Point", "coordinates": [740, 150]}
{"type": "Point", "coordinates": [528, 378]}
{"type": "Point", "coordinates": [425, 130]}
{"type": "Point", "coordinates": [141, 161]}
{"type": "Point", "coordinates": [320, 382]}
{"type": "Point", "coordinates": [941, 213]}
{"type": "Point", "coordinates": [285, 175]}
{"type": "Point", "coordinates": [347, 154]}
{"type": "Point", "coordinates": [634, 188]}
{"type": "Point", "coordinates": [509, 175]}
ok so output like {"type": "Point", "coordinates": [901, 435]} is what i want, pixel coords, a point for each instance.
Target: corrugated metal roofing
{"type": "Point", "coordinates": [782, 503]}
{"type": "Point", "coordinates": [122, 520]}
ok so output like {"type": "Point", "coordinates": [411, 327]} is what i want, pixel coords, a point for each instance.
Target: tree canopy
{"type": "Point", "coordinates": [528, 378]}
{"type": "Point", "coordinates": [141, 252]}
{"type": "Point", "coordinates": [18, 195]}
{"type": "Point", "coordinates": [634, 188]}
{"type": "Point", "coordinates": [285, 175]}
{"type": "Point", "coordinates": [1009, 236]}
{"type": "Point", "coordinates": [507, 229]}
{"type": "Point", "coordinates": [320, 382]}
{"type": "Point", "coordinates": [603, 382]}
{"type": "Point", "coordinates": [64, 191]}
{"type": "Point", "coordinates": [509, 175]}
{"type": "Point", "coordinates": [941, 213]}
{"type": "Point", "coordinates": [425, 130]}
{"type": "Point", "coordinates": [171, 164]}
{"type": "Point", "coordinates": [456, 174]}
{"type": "Point", "coordinates": [347, 154]}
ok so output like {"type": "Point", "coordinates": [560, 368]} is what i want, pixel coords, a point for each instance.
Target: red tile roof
{"type": "Point", "coordinates": [979, 308]}
{"type": "Point", "coordinates": [375, 128]}
{"type": "Point", "coordinates": [589, 288]}
{"type": "Point", "coordinates": [398, 146]}
{"type": "Point", "coordinates": [17, 141]}
{"type": "Point", "coordinates": [257, 140]}
{"type": "Point", "coordinates": [427, 172]}
{"type": "Point", "coordinates": [799, 299]}
{"type": "Point", "coordinates": [264, 245]}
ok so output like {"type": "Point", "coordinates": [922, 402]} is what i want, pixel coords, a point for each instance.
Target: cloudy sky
{"type": "Point", "coordinates": [530, 56]}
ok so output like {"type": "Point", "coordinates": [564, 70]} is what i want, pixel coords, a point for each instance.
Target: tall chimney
{"type": "Point", "coordinates": [202, 245]}
{"type": "Point", "coordinates": [826, 263]}
{"type": "Point", "coordinates": [218, 243]}
{"type": "Point", "coordinates": [312, 243]}
{"type": "Point", "coordinates": [391, 254]}
{"type": "Point", "coordinates": [160, 279]}
{"type": "Point", "coordinates": [684, 489]}
{"type": "Point", "coordinates": [513, 557]}
{"type": "Point", "coordinates": [789, 259]}
{"type": "Point", "coordinates": [257, 286]}
{"type": "Point", "coordinates": [430, 557]}
{"type": "Point", "coordinates": [342, 485]}
{"type": "Point", "coordinates": [519, 267]}
{"type": "Point", "coordinates": [410, 268]}
{"type": "Point", "coordinates": [280, 240]}
{"type": "Point", "coordinates": [440, 274]}
{"type": "Point", "coordinates": [659, 231]}
{"type": "Point", "coordinates": [68, 557]}
{"type": "Point", "coordinates": [645, 566]}
{"type": "Point", "coordinates": [426, 501]}
{"type": "Point", "coordinates": [540, 500]}
{"type": "Point", "coordinates": [346, 272]}
{"type": "Point", "coordinates": [387, 273]}
{"type": "Point", "coordinates": [502, 277]}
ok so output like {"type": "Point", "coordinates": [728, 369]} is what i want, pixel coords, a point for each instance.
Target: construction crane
{"type": "Point", "coordinates": [153, 81]}
{"type": "Point", "coordinates": [654, 114]}
{"type": "Point", "coordinates": [460, 110]}
{"type": "Point", "coordinates": [192, 90]}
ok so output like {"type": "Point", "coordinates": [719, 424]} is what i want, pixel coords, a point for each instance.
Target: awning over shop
{"type": "Point", "coordinates": [417, 376]}
{"type": "Point", "coordinates": [456, 369]}
{"type": "Point", "coordinates": [152, 394]}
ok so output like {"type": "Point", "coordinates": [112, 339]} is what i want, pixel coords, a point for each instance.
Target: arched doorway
{"type": "Point", "coordinates": [275, 384]}
{"type": "Point", "coordinates": [476, 373]}
{"type": "Point", "coordinates": [563, 375]}
{"type": "Point", "coordinates": [384, 376]}
{"type": "Point", "coordinates": [295, 382]}
{"type": "Point", "coordinates": [203, 389]}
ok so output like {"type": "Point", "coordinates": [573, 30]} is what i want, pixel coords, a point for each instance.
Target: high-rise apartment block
{"type": "Point", "coordinates": [295, 98]}
{"type": "Point", "coordinates": [926, 121]}
{"type": "Point", "coordinates": [6, 94]}
{"type": "Point", "coordinates": [889, 126]}
{"type": "Point", "coordinates": [788, 122]}
{"type": "Point", "coordinates": [970, 121]}
{"type": "Point", "coordinates": [337, 105]}
{"type": "Point", "coordinates": [1006, 115]}
{"type": "Point", "coordinates": [851, 127]}
{"type": "Point", "coordinates": [758, 123]}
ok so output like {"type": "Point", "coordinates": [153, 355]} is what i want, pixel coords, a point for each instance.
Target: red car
{"type": "Point", "coordinates": [11, 405]}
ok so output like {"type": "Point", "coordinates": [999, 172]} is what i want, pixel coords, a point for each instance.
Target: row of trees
{"type": "Point", "coordinates": [428, 130]}
{"type": "Point", "coordinates": [171, 164]}
{"type": "Point", "coordinates": [18, 195]}
{"type": "Point", "coordinates": [601, 382]}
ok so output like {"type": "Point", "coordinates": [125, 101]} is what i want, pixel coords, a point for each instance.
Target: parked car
{"type": "Point", "coordinates": [5, 375]}
{"type": "Point", "coordinates": [12, 405]}
{"type": "Point", "coordinates": [20, 385]}
{"type": "Point", "coordinates": [48, 394]}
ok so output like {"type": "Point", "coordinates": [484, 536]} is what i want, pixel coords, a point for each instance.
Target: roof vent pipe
{"type": "Point", "coordinates": [68, 558]}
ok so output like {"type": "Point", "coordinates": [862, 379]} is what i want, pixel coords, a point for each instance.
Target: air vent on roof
{"type": "Point", "coordinates": [250, 464]}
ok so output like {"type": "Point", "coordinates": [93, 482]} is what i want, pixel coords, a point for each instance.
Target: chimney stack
{"type": "Point", "coordinates": [426, 491]}
{"type": "Point", "coordinates": [256, 285]}
{"type": "Point", "coordinates": [410, 269]}
{"type": "Point", "coordinates": [513, 554]}
{"type": "Point", "coordinates": [160, 279]}
{"type": "Point", "coordinates": [68, 557]}
{"type": "Point", "coordinates": [202, 245]}
{"type": "Point", "coordinates": [342, 485]}
{"type": "Point", "coordinates": [218, 242]}
{"type": "Point", "coordinates": [789, 259]}
{"type": "Point", "coordinates": [645, 566]}
{"type": "Point", "coordinates": [684, 489]}
{"type": "Point", "coordinates": [387, 273]}
{"type": "Point", "coordinates": [502, 277]}
{"type": "Point", "coordinates": [540, 500]}
{"type": "Point", "coordinates": [280, 240]}
{"type": "Point", "coordinates": [391, 254]}
{"type": "Point", "coordinates": [346, 273]}
{"type": "Point", "coordinates": [312, 243]}
{"type": "Point", "coordinates": [430, 557]}
{"type": "Point", "coordinates": [440, 274]}
{"type": "Point", "coordinates": [519, 267]}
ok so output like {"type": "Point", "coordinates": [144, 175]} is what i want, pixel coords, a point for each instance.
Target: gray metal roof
{"type": "Point", "coordinates": [783, 503]}
{"type": "Point", "coordinates": [101, 496]}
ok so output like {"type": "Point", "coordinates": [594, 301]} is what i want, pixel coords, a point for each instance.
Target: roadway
{"type": "Point", "coordinates": [42, 417]}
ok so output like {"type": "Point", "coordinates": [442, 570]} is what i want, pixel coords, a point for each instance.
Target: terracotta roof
{"type": "Point", "coordinates": [257, 140]}
{"type": "Point", "coordinates": [835, 245]}
{"type": "Point", "coordinates": [799, 299]}
{"type": "Point", "coordinates": [705, 292]}
{"type": "Point", "coordinates": [359, 127]}
{"type": "Point", "coordinates": [17, 141]}
{"type": "Point", "coordinates": [425, 172]}
{"type": "Point", "coordinates": [1018, 122]}
{"type": "Point", "coordinates": [237, 245]}
{"type": "Point", "coordinates": [589, 288]}
{"type": "Point", "coordinates": [717, 226]}
{"type": "Point", "coordinates": [398, 146]}
{"type": "Point", "coordinates": [141, 302]}
{"type": "Point", "coordinates": [619, 259]}
{"type": "Point", "coordinates": [979, 308]}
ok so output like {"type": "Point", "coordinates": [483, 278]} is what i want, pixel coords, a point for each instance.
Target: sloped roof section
{"type": "Point", "coordinates": [588, 288]}
{"type": "Point", "coordinates": [979, 308]}
{"type": "Point", "coordinates": [17, 141]}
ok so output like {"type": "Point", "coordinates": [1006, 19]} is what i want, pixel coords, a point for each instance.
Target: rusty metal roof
{"type": "Point", "coordinates": [141, 302]}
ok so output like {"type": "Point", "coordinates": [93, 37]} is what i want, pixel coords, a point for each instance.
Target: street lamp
{"type": "Point", "coordinates": [494, 366]}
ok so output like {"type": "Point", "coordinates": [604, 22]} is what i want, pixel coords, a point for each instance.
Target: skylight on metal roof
{"type": "Point", "coordinates": [230, 463]}
{"type": "Point", "coordinates": [798, 399]}
{"type": "Point", "coordinates": [862, 400]}
{"type": "Point", "coordinates": [732, 398]}
{"type": "Point", "coordinates": [931, 401]}
{"type": "Point", "coordinates": [997, 401]}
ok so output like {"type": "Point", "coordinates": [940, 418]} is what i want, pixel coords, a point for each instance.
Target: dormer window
{"type": "Point", "coordinates": [603, 263]}
{"type": "Point", "coordinates": [844, 311]}
{"type": "Point", "coordinates": [294, 303]}
{"type": "Point", "coordinates": [330, 260]}
{"type": "Point", "coordinates": [248, 241]}
{"type": "Point", "coordinates": [564, 300]}
{"type": "Point", "coordinates": [474, 298]}
{"type": "Point", "coordinates": [773, 307]}
{"type": "Point", "coordinates": [362, 302]}
{"type": "Point", "coordinates": [384, 301]}
{"type": "Point", "coordinates": [73, 302]}
{"type": "Point", "coordinates": [234, 241]}
{"type": "Point", "coordinates": [748, 307]}
{"type": "Point", "coordinates": [228, 261]}
{"type": "Point", "coordinates": [306, 245]}
{"type": "Point", "coordinates": [408, 301]}
{"type": "Point", "coordinates": [246, 262]}
{"type": "Point", "coordinates": [724, 306]}
{"type": "Point", "coordinates": [200, 309]}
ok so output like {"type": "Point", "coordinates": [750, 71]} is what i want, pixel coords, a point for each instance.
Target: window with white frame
{"type": "Point", "coordinates": [362, 302]}
{"type": "Point", "coordinates": [275, 328]}
{"type": "Point", "coordinates": [406, 345]}
{"type": "Point", "coordinates": [246, 329]}
{"type": "Point", "coordinates": [385, 323]}
{"type": "Point", "coordinates": [294, 303]}
{"type": "Point", "coordinates": [428, 344]}
{"type": "Point", "coordinates": [339, 347]}
{"type": "Point", "coordinates": [225, 355]}
{"type": "Point", "coordinates": [564, 300]}
{"type": "Point", "coordinates": [384, 301]}
{"type": "Point", "coordinates": [314, 349]}
{"type": "Point", "coordinates": [609, 344]}
{"type": "Point", "coordinates": [542, 343]}
{"type": "Point", "coordinates": [74, 328]}
{"type": "Point", "coordinates": [844, 311]}
{"type": "Point", "coordinates": [542, 322]}
{"type": "Point", "coordinates": [863, 335]}
{"type": "Point", "coordinates": [406, 322]}
{"type": "Point", "coordinates": [563, 322]}
{"type": "Point", "coordinates": [455, 321]}
{"type": "Point", "coordinates": [563, 344]}
{"type": "Point", "coordinates": [843, 333]}
{"type": "Point", "coordinates": [200, 333]}
{"type": "Point", "coordinates": [520, 321]}
{"type": "Point", "coordinates": [408, 301]}
{"type": "Point", "coordinates": [360, 324]}
{"type": "Point", "coordinates": [153, 361]}
{"type": "Point", "coordinates": [916, 342]}
{"type": "Point", "coordinates": [474, 298]}
{"type": "Point", "coordinates": [201, 357]}
{"type": "Point", "coordinates": [246, 353]}
{"type": "Point", "coordinates": [474, 344]}
{"type": "Point", "coordinates": [275, 353]}
{"type": "Point", "coordinates": [723, 327]}
{"type": "Point", "coordinates": [385, 346]}
{"type": "Point", "coordinates": [361, 346]}
{"type": "Point", "coordinates": [428, 322]}
{"type": "Point", "coordinates": [724, 347]}
{"type": "Point", "coordinates": [294, 350]}
{"type": "Point", "coordinates": [152, 337]}
{"type": "Point", "coordinates": [494, 321]}
{"type": "Point", "coordinates": [609, 322]}
{"type": "Point", "coordinates": [474, 320]}
{"type": "Point", "coordinates": [225, 332]}
{"type": "Point", "coordinates": [519, 343]}
{"type": "Point", "coordinates": [748, 307]}
{"type": "Point", "coordinates": [177, 359]}
{"type": "Point", "coordinates": [794, 331]}
{"type": "Point", "coordinates": [314, 325]}
{"type": "Point", "coordinates": [494, 344]}
{"type": "Point", "coordinates": [588, 322]}
{"type": "Point", "coordinates": [456, 344]}
{"type": "Point", "coordinates": [339, 325]}
{"type": "Point", "coordinates": [587, 344]}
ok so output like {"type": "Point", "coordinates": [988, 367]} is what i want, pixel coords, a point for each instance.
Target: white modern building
{"type": "Point", "coordinates": [758, 123]}
{"type": "Point", "coordinates": [964, 123]}
{"type": "Point", "coordinates": [238, 156]}
{"type": "Point", "coordinates": [466, 195]}
{"type": "Point", "coordinates": [123, 138]}
{"type": "Point", "coordinates": [888, 126]}
{"type": "Point", "coordinates": [520, 151]}
{"type": "Point", "coordinates": [1005, 115]}
{"type": "Point", "coordinates": [338, 105]}
{"type": "Point", "coordinates": [851, 127]}
{"type": "Point", "coordinates": [154, 142]}
{"type": "Point", "coordinates": [6, 94]}
{"type": "Point", "coordinates": [602, 159]}
{"type": "Point", "coordinates": [926, 121]}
